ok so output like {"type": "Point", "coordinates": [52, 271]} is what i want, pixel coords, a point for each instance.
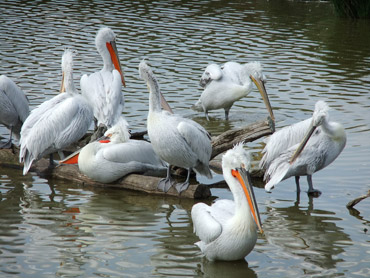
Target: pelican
{"type": "Point", "coordinates": [303, 149]}
{"type": "Point", "coordinates": [108, 160]}
{"type": "Point", "coordinates": [57, 122]}
{"type": "Point", "coordinates": [13, 108]}
{"type": "Point", "coordinates": [228, 229]}
{"type": "Point", "coordinates": [178, 141]}
{"type": "Point", "coordinates": [104, 88]}
{"type": "Point", "coordinates": [225, 85]}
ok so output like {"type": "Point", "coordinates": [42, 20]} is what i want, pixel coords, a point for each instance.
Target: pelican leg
{"type": "Point", "coordinates": [297, 184]}
{"type": "Point", "coordinates": [166, 183]}
{"type": "Point", "coordinates": [180, 187]}
{"type": "Point", "coordinates": [206, 114]}
{"type": "Point", "coordinates": [8, 144]}
{"type": "Point", "coordinates": [51, 161]}
{"type": "Point", "coordinates": [227, 114]}
{"type": "Point", "coordinates": [311, 190]}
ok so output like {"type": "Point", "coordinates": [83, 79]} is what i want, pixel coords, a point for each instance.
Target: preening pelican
{"type": "Point", "coordinates": [104, 88]}
{"type": "Point", "coordinates": [228, 229]}
{"type": "Point", "coordinates": [13, 108]}
{"type": "Point", "coordinates": [303, 149]}
{"type": "Point", "coordinates": [229, 83]}
{"type": "Point", "coordinates": [108, 160]}
{"type": "Point", "coordinates": [178, 141]}
{"type": "Point", "coordinates": [57, 122]}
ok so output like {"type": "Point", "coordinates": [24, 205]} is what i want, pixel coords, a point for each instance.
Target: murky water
{"type": "Point", "coordinates": [52, 228]}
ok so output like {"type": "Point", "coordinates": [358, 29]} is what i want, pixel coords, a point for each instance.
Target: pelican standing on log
{"type": "Point", "coordinates": [103, 89]}
{"type": "Point", "coordinates": [178, 141]}
{"type": "Point", "coordinates": [225, 85]}
{"type": "Point", "coordinates": [228, 229]}
{"type": "Point", "coordinates": [116, 156]}
{"type": "Point", "coordinates": [57, 122]}
{"type": "Point", "coordinates": [14, 108]}
{"type": "Point", "coordinates": [303, 149]}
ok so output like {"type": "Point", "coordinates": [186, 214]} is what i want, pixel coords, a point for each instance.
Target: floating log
{"type": "Point", "coordinates": [148, 184]}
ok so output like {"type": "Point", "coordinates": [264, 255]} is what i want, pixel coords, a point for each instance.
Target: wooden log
{"type": "Point", "coordinates": [148, 184]}
{"type": "Point", "coordinates": [249, 133]}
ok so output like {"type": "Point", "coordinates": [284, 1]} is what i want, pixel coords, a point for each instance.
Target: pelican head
{"type": "Point", "coordinates": [148, 76]}
{"type": "Point", "coordinates": [320, 115]}
{"type": "Point", "coordinates": [212, 72]}
{"type": "Point", "coordinates": [145, 71]}
{"type": "Point", "coordinates": [105, 42]}
{"type": "Point", "coordinates": [237, 161]}
{"type": "Point", "coordinates": [254, 71]}
{"type": "Point", "coordinates": [67, 71]}
{"type": "Point", "coordinates": [119, 132]}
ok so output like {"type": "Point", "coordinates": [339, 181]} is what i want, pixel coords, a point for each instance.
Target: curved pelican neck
{"type": "Point", "coordinates": [242, 209]}
{"type": "Point", "coordinates": [154, 94]}
{"type": "Point", "coordinates": [68, 81]}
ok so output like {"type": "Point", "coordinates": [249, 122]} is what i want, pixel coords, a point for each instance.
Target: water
{"type": "Point", "coordinates": [51, 228]}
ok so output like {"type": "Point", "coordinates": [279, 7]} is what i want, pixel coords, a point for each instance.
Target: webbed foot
{"type": "Point", "coordinates": [314, 193]}
{"type": "Point", "coordinates": [180, 187]}
{"type": "Point", "coordinates": [165, 184]}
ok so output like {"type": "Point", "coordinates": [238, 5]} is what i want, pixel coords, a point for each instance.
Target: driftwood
{"type": "Point", "coordinates": [148, 184]}
{"type": "Point", "coordinates": [354, 202]}
{"type": "Point", "coordinates": [252, 132]}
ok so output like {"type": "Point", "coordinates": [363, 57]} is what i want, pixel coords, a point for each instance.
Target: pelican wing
{"type": "Point", "coordinates": [197, 138]}
{"type": "Point", "coordinates": [309, 161]}
{"type": "Point", "coordinates": [233, 70]}
{"type": "Point", "coordinates": [16, 97]}
{"type": "Point", "coordinates": [133, 150]}
{"type": "Point", "coordinates": [55, 124]}
{"type": "Point", "coordinates": [206, 226]}
{"type": "Point", "coordinates": [104, 91]}
{"type": "Point", "coordinates": [282, 140]}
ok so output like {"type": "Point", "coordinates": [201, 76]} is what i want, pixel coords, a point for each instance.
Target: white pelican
{"type": "Point", "coordinates": [108, 160]}
{"type": "Point", "coordinates": [321, 143]}
{"type": "Point", "coordinates": [225, 85]}
{"type": "Point", "coordinates": [57, 122]}
{"type": "Point", "coordinates": [178, 141]}
{"type": "Point", "coordinates": [228, 229]}
{"type": "Point", "coordinates": [104, 88]}
{"type": "Point", "coordinates": [13, 108]}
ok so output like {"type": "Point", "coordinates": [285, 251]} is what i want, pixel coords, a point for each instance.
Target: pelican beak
{"type": "Point", "coordinates": [303, 143]}
{"type": "Point", "coordinates": [62, 87]}
{"type": "Point", "coordinates": [165, 104]}
{"type": "Point", "coordinates": [261, 88]}
{"type": "Point", "coordinates": [112, 48]}
{"type": "Point", "coordinates": [244, 179]}
{"type": "Point", "coordinates": [71, 159]}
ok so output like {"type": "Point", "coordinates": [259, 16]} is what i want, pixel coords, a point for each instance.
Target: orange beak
{"type": "Point", "coordinates": [71, 159]}
{"type": "Point", "coordinates": [112, 48]}
{"type": "Point", "coordinates": [244, 179]}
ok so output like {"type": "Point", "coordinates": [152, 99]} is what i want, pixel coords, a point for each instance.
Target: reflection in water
{"type": "Point", "coordinates": [53, 228]}
{"type": "Point", "coordinates": [239, 269]}
{"type": "Point", "coordinates": [306, 232]}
